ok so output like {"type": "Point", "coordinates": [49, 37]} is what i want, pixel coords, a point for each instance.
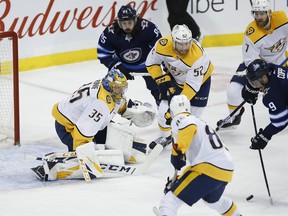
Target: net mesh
{"type": "Point", "coordinates": [6, 89]}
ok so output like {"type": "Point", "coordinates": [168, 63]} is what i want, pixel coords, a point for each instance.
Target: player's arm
{"type": "Point", "coordinates": [153, 35]}
{"type": "Point", "coordinates": [186, 133]}
{"type": "Point", "coordinates": [106, 50]}
{"type": "Point", "coordinates": [153, 63]}
{"type": "Point", "coordinates": [278, 121]}
{"type": "Point", "coordinates": [249, 51]}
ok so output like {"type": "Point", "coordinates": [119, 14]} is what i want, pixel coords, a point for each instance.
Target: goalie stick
{"type": "Point", "coordinates": [112, 168]}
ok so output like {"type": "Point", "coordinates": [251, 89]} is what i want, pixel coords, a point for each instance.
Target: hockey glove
{"type": "Point", "coordinates": [165, 86]}
{"type": "Point", "coordinates": [260, 140]}
{"type": "Point", "coordinates": [250, 94]}
{"type": "Point", "coordinates": [178, 159]}
{"type": "Point", "coordinates": [123, 70]}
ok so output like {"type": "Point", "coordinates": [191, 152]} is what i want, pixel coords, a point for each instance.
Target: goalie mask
{"type": "Point", "coordinates": [116, 83]}
{"type": "Point", "coordinates": [127, 18]}
{"type": "Point", "coordinates": [179, 104]}
{"type": "Point", "coordinates": [182, 39]}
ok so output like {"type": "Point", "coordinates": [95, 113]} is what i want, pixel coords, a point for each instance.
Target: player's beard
{"type": "Point", "coordinates": [128, 30]}
{"type": "Point", "coordinates": [262, 23]}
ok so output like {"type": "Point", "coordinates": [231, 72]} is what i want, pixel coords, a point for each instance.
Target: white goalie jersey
{"type": "Point", "coordinates": [86, 111]}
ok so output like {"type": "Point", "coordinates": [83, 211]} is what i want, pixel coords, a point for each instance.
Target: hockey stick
{"type": "Point", "coordinates": [169, 185]}
{"type": "Point", "coordinates": [261, 158]}
{"type": "Point", "coordinates": [282, 63]}
{"type": "Point", "coordinates": [230, 116]}
{"type": "Point", "coordinates": [139, 74]}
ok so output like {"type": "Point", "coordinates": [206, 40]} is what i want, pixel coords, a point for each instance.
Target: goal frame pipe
{"type": "Point", "coordinates": [11, 35]}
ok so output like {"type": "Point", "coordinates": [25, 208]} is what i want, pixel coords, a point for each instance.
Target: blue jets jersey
{"type": "Point", "coordinates": [130, 49]}
{"type": "Point", "coordinates": [275, 98]}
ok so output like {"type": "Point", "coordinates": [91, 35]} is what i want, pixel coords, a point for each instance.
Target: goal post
{"type": "Point", "coordinates": [9, 88]}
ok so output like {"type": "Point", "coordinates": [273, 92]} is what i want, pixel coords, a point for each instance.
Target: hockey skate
{"type": "Point", "coordinates": [164, 141]}
{"type": "Point", "coordinates": [40, 173]}
{"type": "Point", "coordinates": [232, 123]}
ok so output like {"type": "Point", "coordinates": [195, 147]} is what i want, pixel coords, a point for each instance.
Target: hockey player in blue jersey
{"type": "Point", "coordinates": [272, 80]}
{"type": "Point", "coordinates": [126, 43]}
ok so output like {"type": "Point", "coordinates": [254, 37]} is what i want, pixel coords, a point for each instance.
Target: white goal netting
{"type": "Point", "coordinates": [7, 90]}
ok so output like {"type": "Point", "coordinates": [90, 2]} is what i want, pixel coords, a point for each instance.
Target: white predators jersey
{"type": "Point", "coordinates": [89, 109]}
{"type": "Point", "coordinates": [269, 45]}
{"type": "Point", "coordinates": [206, 152]}
{"type": "Point", "coordinates": [189, 71]}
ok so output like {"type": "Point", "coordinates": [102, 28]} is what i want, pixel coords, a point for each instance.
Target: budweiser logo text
{"type": "Point", "coordinates": [60, 21]}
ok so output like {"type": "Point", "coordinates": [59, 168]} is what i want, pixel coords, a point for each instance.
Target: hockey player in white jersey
{"type": "Point", "coordinates": [210, 165]}
{"type": "Point", "coordinates": [86, 116]}
{"type": "Point", "coordinates": [266, 38]}
{"type": "Point", "coordinates": [186, 70]}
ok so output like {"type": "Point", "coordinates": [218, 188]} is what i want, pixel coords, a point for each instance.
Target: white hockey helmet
{"type": "Point", "coordinates": [261, 5]}
{"type": "Point", "coordinates": [182, 38]}
{"type": "Point", "coordinates": [179, 104]}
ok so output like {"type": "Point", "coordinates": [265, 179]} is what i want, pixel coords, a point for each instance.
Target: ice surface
{"type": "Point", "coordinates": [21, 194]}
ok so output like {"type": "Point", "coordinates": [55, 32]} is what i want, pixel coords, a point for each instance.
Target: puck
{"type": "Point", "coordinates": [249, 197]}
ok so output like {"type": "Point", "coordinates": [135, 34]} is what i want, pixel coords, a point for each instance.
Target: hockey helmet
{"type": "Point", "coordinates": [179, 104]}
{"type": "Point", "coordinates": [126, 12]}
{"type": "Point", "coordinates": [182, 38]}
{"type": "Point", "coordinates": [261, 5]}
{"type": "Point", "coordinates": [255, 71]}
{"type": "Point", "coordinates": [116, 83]}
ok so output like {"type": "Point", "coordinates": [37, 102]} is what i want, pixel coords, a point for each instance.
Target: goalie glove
{"type": "Point", "coordinates": [141, 114]}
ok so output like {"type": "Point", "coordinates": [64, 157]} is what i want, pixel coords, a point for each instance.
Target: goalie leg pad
{"type": "Point", "coordinates": [120, 137]}
{"type": "Point", "coordinates": [53, 170]}
{"type": "Point", "coordinates": [88, 161]}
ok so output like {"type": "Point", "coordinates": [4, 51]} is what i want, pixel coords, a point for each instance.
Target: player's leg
{"type": "Point", "coordinates": [164, 126]}
{"type": "Point", "coordinates": [234, 99]}
{"type": "Point", "coordinates": [65, 137]}
{"type": "Point", "coordinates": [178, 15]}
{"type": "Point", "coordinates": [220, 203]}
{"type": "Point", "coordinates": [199, 102]}
{"type": "Point", "coordinates": [153, 88]}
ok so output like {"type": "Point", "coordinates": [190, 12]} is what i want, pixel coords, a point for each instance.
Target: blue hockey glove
{"type": "Point", "coordinates": [178, 159]}
{"type": "Point", "coordinates": [259, 141]}
{"type": "Point", "coordinates": [168, 117]}
{"type": "Point", "coordinates": [249, 94]}
{"type": "Point", "coordinates": [165, 86]}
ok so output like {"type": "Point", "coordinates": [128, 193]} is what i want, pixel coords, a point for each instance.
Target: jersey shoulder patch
{"type": "Point", "coordinates": [164, 46]}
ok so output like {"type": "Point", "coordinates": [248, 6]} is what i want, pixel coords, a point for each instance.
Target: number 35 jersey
{"type": "Point", "coordinates": [204, 149]}
{"type": "Point", "coordinates": [86, 111]}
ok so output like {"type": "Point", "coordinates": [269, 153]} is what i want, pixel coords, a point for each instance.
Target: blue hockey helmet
{"type": "Point", "coordinates": [126, 12]}
{"type": "Point", "coordinates": [255, 71]}
{"type": "Point", "coordinates": [116, 83]}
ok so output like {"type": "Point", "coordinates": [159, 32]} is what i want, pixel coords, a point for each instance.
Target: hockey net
{"type": "Point", "coordinates": [9, 89]}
